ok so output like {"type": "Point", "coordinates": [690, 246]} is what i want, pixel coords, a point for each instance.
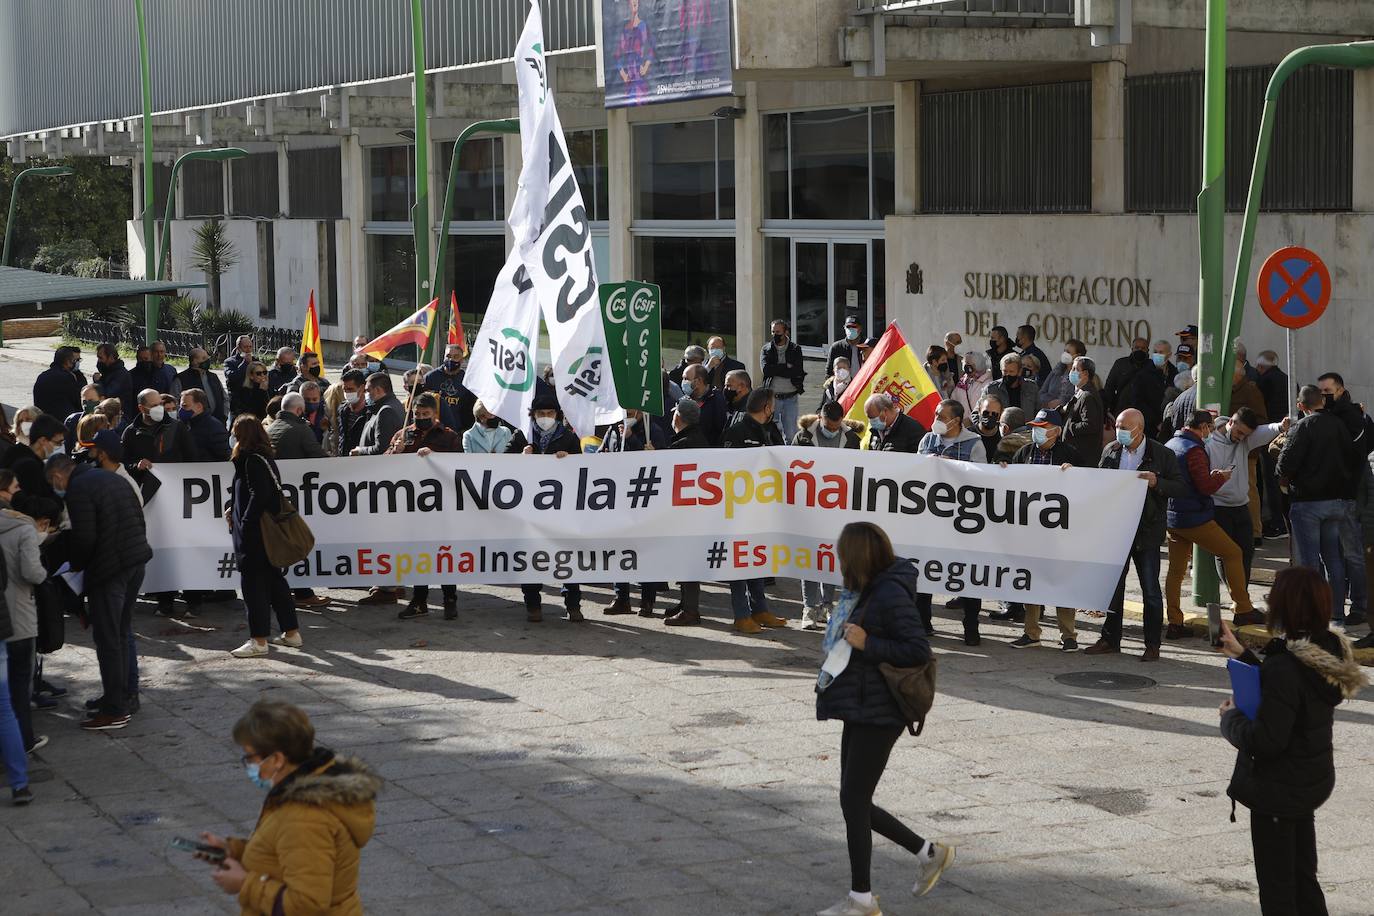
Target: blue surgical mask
{"type": "Point", "coordinates": [876, 424]}
{"type": "Point", "coordinates": [717, 353]}
{"type": "Point", "coordinates": [369, 400]}
{"type": "Point", "coordinates": [1124, 437]}
{"type": "Point", "coordinates": [851, 333]}
{"type": "Point", "coordinates": [186, 415]}
{"type": "Point", "coordinates": [1157, 359]}
{"type": "Point", "coordinates": [1039, 435]}
{"type": "Point", "coordinates": [59, 493]}
{"type": "Point", "coordinates": [1075, 377]}
{"type": "Point", "coordinates": [827, 432]}
{"type": "Point", "coordinates": [256, 777]}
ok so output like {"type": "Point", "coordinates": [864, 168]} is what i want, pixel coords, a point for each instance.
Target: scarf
{"type": "Point", "coordinates": [546, 437]}
{"type": "Point", "coordinates": [834, 649]}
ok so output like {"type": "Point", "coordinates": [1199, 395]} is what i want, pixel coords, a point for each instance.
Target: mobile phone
{"type": "Point", "coordinates": [213, 853]}
{"type": "Point", "coordinates": [1214, 624]}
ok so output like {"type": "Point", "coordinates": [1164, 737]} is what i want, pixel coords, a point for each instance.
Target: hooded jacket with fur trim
{"type": "Point", "coordinates": [305, 851]}
{"type": "Point", "coordinates": [808, 433]}
{"type": "Point", "coordinates": [1285, 764]}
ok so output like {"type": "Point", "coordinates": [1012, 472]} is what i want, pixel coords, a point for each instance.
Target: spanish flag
{"type": "Point", "coordinates": [455, 327]}
{"type": "Point", "coordinates": [310, 337]}
{"type": "Point", "coordinates": [414, 330]}
{"type": "Point", "coordinates": [892, 368]}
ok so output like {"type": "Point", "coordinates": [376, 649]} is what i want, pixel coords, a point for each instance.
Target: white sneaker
{"type": "Point", "coordinates": [39, 741]}
{"type": "Point", "coordinates": [249, 649]}
{"type": "Point", "coordinates": [291, 642]}
{"type": "Point", "coordinates": [851, 907]}
{"type": "Point", "coordinates": [813, 618]}
{"type": "Point", "coordinates": [931, 868]}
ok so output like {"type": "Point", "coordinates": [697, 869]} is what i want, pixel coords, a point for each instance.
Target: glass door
{"type": "Point", "coordinates": [831, 280]}
{"type": "Point", "coordinates": [811, 294]}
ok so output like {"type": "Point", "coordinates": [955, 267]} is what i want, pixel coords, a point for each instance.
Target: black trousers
{"type": "Point", "coordinates": [265, 591]}
{"type": "Point", "coordinates": [691, 596]}
{"type": "Point", "coordinates": [1286, 866]}
{"type": "Point", "coordinates": [421, 595]}
{"type": "Point", "coordinates": [111, 609]}
{"type": "Point", "coordinates": [864, 750]}
{"type": "Point", "coordinates": [534, 596]}
{"type": "Point", "coordinates": [1235, 521]}
{"type": "Point", "coordinates": [972, 608]}
{"type": "Point", "coordinates": [20, 656]}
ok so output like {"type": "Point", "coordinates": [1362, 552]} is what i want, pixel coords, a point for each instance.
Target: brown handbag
{"type": "Point", "coordinates": [286, 538]}
{"type": "Point", "coordinates": [912, 689]}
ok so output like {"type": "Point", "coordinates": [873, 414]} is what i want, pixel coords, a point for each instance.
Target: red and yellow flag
{"type": "Point", "coordinates": [310, 337]}
{"type": "Point", "coordinates": [414, 330]}
{"type": "Point", "coordinates": [894, 369]}
{"type": "Point", "coordinates": [455, 327]}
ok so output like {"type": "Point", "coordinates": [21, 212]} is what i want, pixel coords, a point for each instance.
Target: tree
{"type": "Point", "coordinates": [91, 205]}
{"type": "Point", "coordinates": [213, 254]}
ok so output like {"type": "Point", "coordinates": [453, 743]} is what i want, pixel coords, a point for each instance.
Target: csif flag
{"type": "Point", "coordinates": [414, 330]}
{"type": "Point", "coordinates": [553, 237]}
{"type": "Point", "coordinates": [501, 369]}
{"type": "Point", "coordinates": [310, 337]}
{"type": "Point", "coordinates": [892, 368]}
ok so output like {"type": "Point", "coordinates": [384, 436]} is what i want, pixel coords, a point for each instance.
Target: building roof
{"type": "Point", "coordinates": [31, 293]}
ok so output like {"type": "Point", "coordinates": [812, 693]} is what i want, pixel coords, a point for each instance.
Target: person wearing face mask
{"type": "Point", "coordinates": [1056, 391]}
{"type": "Point", "coordinates": [112, 377]}
{"type": "Point", "coordinates": [1137, 381]}
{"type": "Point", "coordinates": [308, 369]}
{"type": "Point", "coordinates": [1230, 445]}
{"type": "Point", "coordinates": [90, 400]}
{"type": "Point", "coordinates": [693, 355]}
{"type": "Point", "coordinates": [695, 385]}
{"type": "Point", "coordinates": [1083, 415]}
{"type": "Point", "coordinates": [207, 431]}
{"type": "Point", "coordinates": [548, 435]}
{"type": "Point", "coordinates": [291, 435]}
{"type": "Point", "coordinates": [999, 346]}
{"type": "Point", "coordinates": [953, 341]}
{"type": "Point", "coordinates": [747, 598]}
{"type": "Point", "coordinates": [57, 390]}
{"type": "Point", "coordinates": [784, 374]}
{"type": "Point", "coordinates": [828, 429]}
{"type": "Point", "coordinates": [488, 435]}
{"type": "Point", "coordinates": [315, 415]}
{"type": "Point", "coordinates": [345, 430]}
{"type": "Point", "coordinates": [719, 364]}
{"type": "Point", "coordinates": [937, 367]}
{"type": "Point", "coordinates": [252, 396]}
{"type": "Point", "coordinates": [155, 438]}
{"type": "Point", "coordinates": [283, 371]}
{"type": "Point", "coordinates": [304, 853]}
{"type": "Point", "coordinates": [1016, 387]}
{"type": "Point", "coordinates": [1025, 339]}
{"type": "Point", "coordinates": [738, 385]}
{"type": "Point", "coordinates": [455, 400]}
{"type": "Point", "coordinates": [199, 375]}
{"type": "Point", "coordinates": [686, 424]}
{"type": "Point", "coordinates": [890, 430]}
{"type": "Point", "coordinates": [1135, 453]}
{"type": "Point", "coordinates": [153, 372]}
{"type": "Point", "coordinates": [20, 536]}
{"type": "Point", "coordinates": [974, 379]}
{"type": "Point", "coordinates": [629, 436]}
{"type": "Point", "coordinates": [108, 544]}
{"type": "Point", "coordinates": [385, 416]}
{"type": "Point", "coordinates": [837, 383]}
{"type": "Point", "coordinates": [46, 438]}
{"type": "Point", "coordinates": [853, 347]}
{"type": "Point", "coordinates": [236, 364]}
{"type": "Point", "coordinates": [23, 422]}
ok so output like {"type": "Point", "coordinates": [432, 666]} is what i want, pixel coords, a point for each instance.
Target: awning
{"type": "Point", "coordinates": [33, 294]}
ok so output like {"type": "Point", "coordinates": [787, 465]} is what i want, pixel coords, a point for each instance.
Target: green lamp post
{"type": "Point", "coordinates": [210, 155]}
{"type": "Point", "coordinates": [150, 303]}
{"type": "Point", "coordinates": [48, 171]}
{"type": "Point", "coordinates": [419, 214]}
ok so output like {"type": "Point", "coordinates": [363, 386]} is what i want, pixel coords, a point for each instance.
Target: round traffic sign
{"type": "Point", "coordinates": [1294, 287]}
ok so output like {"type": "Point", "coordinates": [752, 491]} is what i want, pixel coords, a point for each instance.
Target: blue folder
{"type": "Point", "coordinates": [1245, 687]}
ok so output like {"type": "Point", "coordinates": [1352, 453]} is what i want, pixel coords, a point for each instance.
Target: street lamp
{"type": "Point", "coordinates": [49, 171]}
{"type": "Point", "coordinates": [211, 155]}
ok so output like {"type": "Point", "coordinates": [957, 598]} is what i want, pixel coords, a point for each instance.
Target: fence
{"type": "Point", "coordinates": [181, 343]}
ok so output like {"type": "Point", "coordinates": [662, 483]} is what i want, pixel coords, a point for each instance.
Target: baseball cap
{"type": "Point", "coordinates": [109, 443]}
{"type": "Point", "coordinates": [1047, 418]}
{"type": "Point", "coordinates": [852, 321]}
{"type": "Point", "coordinates": [689, 410]}
{"type": "Point", "coordinates": [1185, 350]}
{"type": "Point", "coordinates": [1189, 331]}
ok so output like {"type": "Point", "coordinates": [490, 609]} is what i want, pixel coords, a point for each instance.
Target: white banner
{"type": "Point", "coordinates": [501, 368]}
{"type": "Point", "coordinates": [1023, 533]}
{"type": "Point", "coordinates": [554, 237]}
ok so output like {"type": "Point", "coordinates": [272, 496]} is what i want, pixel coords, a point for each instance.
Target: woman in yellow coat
{"type": "Point", "coordinates": [304, 853]}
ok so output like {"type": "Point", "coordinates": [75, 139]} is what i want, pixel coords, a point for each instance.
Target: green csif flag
{"type": "Point", "coordinates": [634, 332]}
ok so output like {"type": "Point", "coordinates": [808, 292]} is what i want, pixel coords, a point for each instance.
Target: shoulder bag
{"type": "Point", "coordinates": [286, 538]}
{"type": "Point", "coordinates": [912, 689]}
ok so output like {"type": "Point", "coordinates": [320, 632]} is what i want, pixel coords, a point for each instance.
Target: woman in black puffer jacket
{"type": "Point", "coordinates": [1285, 769]}
{"type": "Point", "coordinates": [883, 626]}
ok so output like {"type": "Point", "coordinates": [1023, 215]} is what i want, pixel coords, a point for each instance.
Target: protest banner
{"type": "Point", "coordinates": [1024, 533]}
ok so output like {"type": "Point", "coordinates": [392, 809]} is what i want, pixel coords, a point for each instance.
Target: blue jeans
{"type": "Point", "coordinates": [747, 598]}
{"type": "Point", "coordinates": [1146, 561]}
{"type": "Point", "coordinates": [11, 743]}
{"type": "Point", "coordinates": [785, 413]}
{"type": "Point", "coordinates": [1352, 552]}
{"type": "Point", "coordinates": [1316, 534]}
{"type": "Point", "coordinates": [816, 594]}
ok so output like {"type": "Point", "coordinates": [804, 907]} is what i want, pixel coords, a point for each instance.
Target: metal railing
{"type": "Point", "coordinates": [971, 9]}
{"type": "Point", "coordinates": [180, 343]}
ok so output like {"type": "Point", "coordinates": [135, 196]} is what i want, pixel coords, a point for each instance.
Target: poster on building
{"type": "Point", "coordinates": [665, 50]}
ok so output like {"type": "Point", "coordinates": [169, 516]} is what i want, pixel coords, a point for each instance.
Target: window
{"type": "Point", "coordinates": [202, 188]}
{"type": "Point", "coordinates": [1310, 163]}
{"type": "Point", "coordinates": [392, 183]}
{"type": "Point", "coordinates": [835, 164]}
{"type": "Point", "coordinates": [162, 180]}
{"type": "Point", "coordinates": [697, 277]}
{"type": "Point", "coordinates": [253, 185]}
{"type": "Point", "coordinates": [473, 263]}
{"type": "Point", "coordinates": [1026, 149]}
{"type": "Point", "coordinates": [685, 171]}
{"type": "Point", "coordinates": [588, 151]}
{"type": "Point", "coordinates": [315, 183]}
{"type": "Point", "coordinates": [267, 271]}
{"type": "Point", "coordinates": [391, 270]}
{"type": "Point", "coordinates": [328, 253]}
{"type": "Point", "coordinates": [480, 195]}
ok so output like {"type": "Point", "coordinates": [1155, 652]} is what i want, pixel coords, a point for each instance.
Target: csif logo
{"type": "Point", "coordinates": [510, 355]}
{"type": "Point", "coordinates": [637, 307]}
{"type": "Point", "coordinates": [536, 63]}
{"type": "Point", "coordinates": [585, 375]}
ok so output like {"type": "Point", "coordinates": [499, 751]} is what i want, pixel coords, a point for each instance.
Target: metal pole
{"type": "Point", "coordinates": [1292, 371]}
{"type": "Point", "coordinates": [214, 155]}
{"type": "Point", "coordinates": [1214, 386]}
{"type": "Point", "coordinates": [9, 223]}
{"type": "Point", "coordinates": [150, 303]}
{"type": "Point", "coordinates": [419, 214]}
{"type": "Point", "coordinates": [440, 284]}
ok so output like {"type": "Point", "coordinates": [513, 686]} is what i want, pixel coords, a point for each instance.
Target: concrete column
{"type": "Point", "coordinates": [907, 147]}
{"type": "Point", "coordinates": [1362, 196]}
{"type": "Point", "coordinates": [354, 320]}
{"type": "Point", "coordinates": [751, 311]}
{"type": "Point", "coordinates": [283, 181]}
{"type": "Point", "coordinates": [1109, 137]}
{"type": "Point", "coordinates": [620, 167]}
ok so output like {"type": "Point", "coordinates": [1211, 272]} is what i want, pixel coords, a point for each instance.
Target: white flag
{"type": "Point", "coordinates": [501, 369]}
{"type": "Point", "coordinates": [554, 239]}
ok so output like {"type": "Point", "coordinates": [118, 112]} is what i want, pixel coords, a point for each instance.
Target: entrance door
{"type": "Point", "coordinates": [830, 281]}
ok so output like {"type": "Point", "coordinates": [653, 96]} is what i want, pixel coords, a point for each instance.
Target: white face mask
{"type": "Point", "coordinates": [24, 428]}
{"type": "Point", "coordinates": [1065, 357]}
{"type": "Point", "coordinates": [940, 428]}
{"type": "Point", "coordinates": [630, 422]}
{"type": "Point", "coordinates": [545, 423]}
{"type": "Point", "coordinates": [841, 375]}
{"type": "Point", "coordinates": [157, 413]}
{"type": "Point", "coordinates": [351, 397]}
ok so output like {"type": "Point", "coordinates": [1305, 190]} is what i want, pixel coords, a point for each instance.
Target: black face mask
{"type": "Point", "coordinates": [988, 420]}
{"type": "Point", "coordinates": [314, 371]}
{"type": "Point", "coordinates": [424, 424]}
{"type": "Point", "coordinates": [493, 423]}
{"type": "Point", "coordinates": [942, 368]}
{"type": "Point", "coordinates": [1330, 400]}
{"type": "Point", "coordinates": [729, 396]}
{"type": "Point", "coordinates": [778, 339]}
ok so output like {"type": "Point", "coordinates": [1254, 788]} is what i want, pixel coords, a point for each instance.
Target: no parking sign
{"type": "Point", "coordinates": [1294, 287]}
